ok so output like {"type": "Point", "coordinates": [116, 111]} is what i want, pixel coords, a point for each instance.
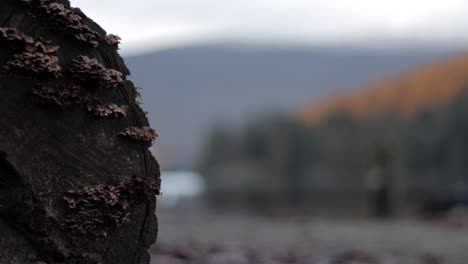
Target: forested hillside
{"type": "Point", "coordinates": [412, 127]}
{"type": "Point", "coordinates": [404, 96]}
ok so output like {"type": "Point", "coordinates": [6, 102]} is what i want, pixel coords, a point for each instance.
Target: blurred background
{"type": "Point", "coordinates": [303, 131]}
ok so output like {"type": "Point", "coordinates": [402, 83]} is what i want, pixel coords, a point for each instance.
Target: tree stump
{"type": "Point", "coordinates": [77, 181]}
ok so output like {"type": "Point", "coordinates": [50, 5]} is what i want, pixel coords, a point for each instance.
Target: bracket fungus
{"type": "Point", "coordinates": [111, 110]}
{"type": "Point", "coordinates": [34, 56]}
{"type": "Point", "coordinates": [64, 19]}
{"type": "Point", "coordinates": [90, 71]}
{"type": "Point", "coordinates": [36, 63]}
{"type": "Point", "coordinates": [112, 40]}
{"type": "Point", "coordinates": [145, 134]}
{"type": "Point", "coordinates": [64, 96]}
{"type": "Point", "coordinates": [92, 210]}
{"type": "Point", "coordinates": [19, 41]}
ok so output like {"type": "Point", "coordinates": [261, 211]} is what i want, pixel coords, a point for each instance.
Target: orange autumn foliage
{"type": "Point", "coordinates": [404, 96]}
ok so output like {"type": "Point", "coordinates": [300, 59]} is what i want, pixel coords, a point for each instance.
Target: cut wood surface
{"type": "Point", "coordinates": [75, 186]}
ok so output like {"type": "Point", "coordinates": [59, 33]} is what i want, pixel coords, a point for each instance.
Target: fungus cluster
{"type": "Point", "coordinates": [70, 22]}
{"type": "Point", "coordinates": [112, 40]}
{"type": "Point", "coordinates": [92, 210]}
{"type": "Point", "coordinates": [90, 71]}
{"type": "Point", "coordinates": [64, 96]}
{"type": "Point", "coordinates": [35, 56]}
{"type": "Point", "coordinates": [145, 134]}
{"type": "Point", "coordinates": [35, 63]}
{"type": "Point", "coordinates": [111, 110]}
{"type": "Point", "coordinates": [11, 37]}
{"type": "Point", "coordinates": [64, 19]}
{"type": "Point", "coordinates": [22, 42]}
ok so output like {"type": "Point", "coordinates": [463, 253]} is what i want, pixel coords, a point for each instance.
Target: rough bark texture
{"type": "Point", "coordinates": [73, 188]}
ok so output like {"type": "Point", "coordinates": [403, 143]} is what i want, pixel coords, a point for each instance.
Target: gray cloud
{"type": "Point", "coordinates": [159, 23]}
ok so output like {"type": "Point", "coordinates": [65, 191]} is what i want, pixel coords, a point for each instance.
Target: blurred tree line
{"type": "Point", "coordinates": [283, 162]}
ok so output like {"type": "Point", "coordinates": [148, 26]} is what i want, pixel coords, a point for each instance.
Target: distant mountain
{"type": "Point", "coordinates": [404, 95]}
{"type": "Point", "coordinates": [186, 90]}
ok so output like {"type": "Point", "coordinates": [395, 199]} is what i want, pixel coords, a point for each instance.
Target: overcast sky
{"type": "Point", "coordinates": [153, 24]}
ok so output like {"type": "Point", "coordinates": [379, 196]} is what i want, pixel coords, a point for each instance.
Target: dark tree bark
{"type": "Point", "coordinates": [77, 181]}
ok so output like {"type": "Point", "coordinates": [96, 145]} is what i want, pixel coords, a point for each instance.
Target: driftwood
{"type": "Point", "coordinates": [77, 181]}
